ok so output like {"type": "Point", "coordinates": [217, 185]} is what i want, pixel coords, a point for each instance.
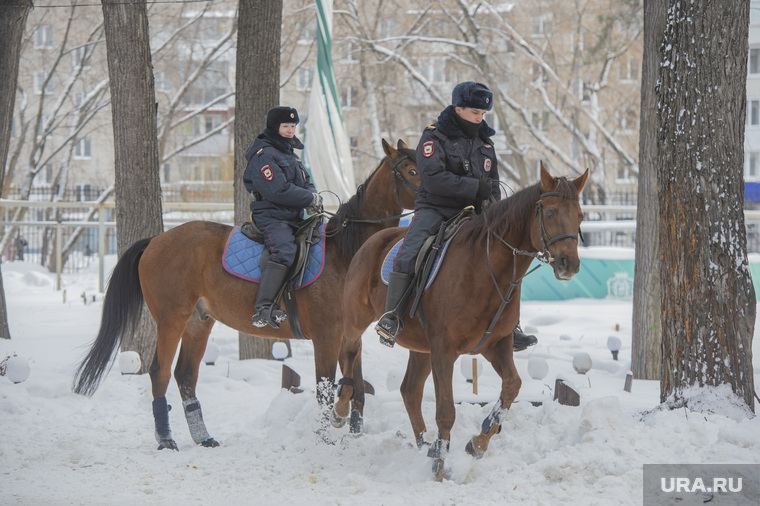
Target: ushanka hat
{"type": "Point", "coordinates": [278, 115]}
{"type": "Point", "coordinates": [473, 95]}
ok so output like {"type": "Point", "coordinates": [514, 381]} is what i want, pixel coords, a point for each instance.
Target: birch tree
{"type": "Point", "coordinates": [708, 301]}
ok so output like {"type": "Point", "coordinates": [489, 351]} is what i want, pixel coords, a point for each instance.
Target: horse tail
{"type": "Point", "coordinates": [122, 306]}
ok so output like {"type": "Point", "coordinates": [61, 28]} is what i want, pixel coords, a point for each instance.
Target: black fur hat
{"type": "Point", "coordinates": [279, 115]}
{"type": "Point", "coordinates": [473, 95]}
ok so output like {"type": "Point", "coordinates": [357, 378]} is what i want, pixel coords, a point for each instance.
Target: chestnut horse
{"type": "Point", "coordinates": [472, 306]}
{"type": "Point", "coordinates": [180, 276]}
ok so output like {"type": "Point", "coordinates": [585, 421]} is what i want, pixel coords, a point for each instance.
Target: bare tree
{"type": "Point", "coordinates": [708, 301]}
{"type": "Point", "coordinates": [13, 16]}
{"type": "Point", "coordinates": [646, 350]}
{"type": "Point", "coordinates": [258, 89]}
{"type": "Point", "coordinates": [133, 106]}
{"type": "Point", "coordinates": [553, 98]}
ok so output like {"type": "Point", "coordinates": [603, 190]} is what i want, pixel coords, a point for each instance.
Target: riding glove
{"type": "Point", "coordinates": [316, 205]}
{"type": "Point", "coordinates": [484, 190]}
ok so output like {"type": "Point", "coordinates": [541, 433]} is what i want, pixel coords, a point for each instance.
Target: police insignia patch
{"type": "Point", "coordinates": [487, 164]}
{"type": "Point", "coordinates": [266, 171]}
{"type": "Point", "coordinates": [428, 149]}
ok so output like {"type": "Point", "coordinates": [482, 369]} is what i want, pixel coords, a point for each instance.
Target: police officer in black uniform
{"type": "Point", "coordinates": [458, 168]}
{"type": "Point", "coordinates": [282, 189]}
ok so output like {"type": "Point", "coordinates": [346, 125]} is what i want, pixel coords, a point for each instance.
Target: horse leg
{"type": "Point", "coordinates": [502, 358]}
{"type": "Point", "coordinates": [417, 370]}
{"type": "Point", "coordinates": [445, 412]}
{"type": "Point", "coordinates": [326, 353]}
{"type": "Point", "coordinates": [350, 394]}
{"type": "Point", "coordinates": [194, 341]}
{"type": "Point", "coordinates": [167, 340]}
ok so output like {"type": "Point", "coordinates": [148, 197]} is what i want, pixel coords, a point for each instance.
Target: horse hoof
{"type": "Point", "coordinates": [440, 471]}
{"type": "Point", "coordinates": [209, 443]}
{"type": "Point", "coordinates": [357, 423]}
{"type": "Point", "coordinates": [335, 420]}
{"type": "Point", "coordinates": [470, 449]}
{"type": "Point", "coordinates": [169, 444]}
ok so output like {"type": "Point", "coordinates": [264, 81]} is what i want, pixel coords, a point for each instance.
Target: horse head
{"type": "Point", "coordinates": [406, 178]}
{"type": "Point", "coordinates": [555, 231]}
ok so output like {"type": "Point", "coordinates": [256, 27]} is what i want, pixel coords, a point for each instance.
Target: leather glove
{"type": "Point", "coordinates": [316, 205]}
{"type": "Point", "coordinates": [484, 190]}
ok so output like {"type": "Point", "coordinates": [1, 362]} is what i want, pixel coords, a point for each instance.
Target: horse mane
{"type": "Point", "coordinates": [512, 215]}
{"type": "Point", "coordinates": [350, 233]}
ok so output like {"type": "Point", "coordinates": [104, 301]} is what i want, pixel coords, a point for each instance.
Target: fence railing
{"type": "Point", "coordinates": [60, 235]}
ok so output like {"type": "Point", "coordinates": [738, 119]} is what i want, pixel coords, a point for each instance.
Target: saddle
{"type": "Point", "coordinates": [431, 253]}
{"type": "Point", "coordinates": [307, 235]}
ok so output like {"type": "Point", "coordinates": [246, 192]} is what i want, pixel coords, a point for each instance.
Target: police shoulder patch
{"type": "Point", "coordinates": [428, 149]}
{"type": "Point", "coordinates": [259, 151]}
{"type": "Point", "coordinates": [430, 127]}
{"type": "Point", "coordinates": [266, 171]}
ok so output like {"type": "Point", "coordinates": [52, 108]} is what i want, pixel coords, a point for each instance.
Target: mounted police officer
{"type": "Point", "coordinates": [282, 190]}
{"type": "Point", "coordinates": [458, 168]}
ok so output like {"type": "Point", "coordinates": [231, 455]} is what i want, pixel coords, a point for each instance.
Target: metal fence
{"type": "Point", "coordinates": [69, 237]}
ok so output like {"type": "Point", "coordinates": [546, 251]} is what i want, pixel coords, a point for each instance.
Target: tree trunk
{"type": "Point", "coordinates": [257, 89]}
{"type": "Point", "coordinates": [646, 351]}
{"type": "Point", "coordinates": [708, 301]}
{"type": "Point", "coordinates": [12, 22]}
{"type": "Point", "coordinates": [133, 106]}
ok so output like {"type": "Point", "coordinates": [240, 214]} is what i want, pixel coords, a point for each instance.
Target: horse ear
{"type": "Point", "coordinates": [389, 151]}
{"type": "Point", "coordinates": [547, 181]}
{"type": "Point", "coordinates": [580, 182]}
{"type": "Point", "coordinates": [402, 144]}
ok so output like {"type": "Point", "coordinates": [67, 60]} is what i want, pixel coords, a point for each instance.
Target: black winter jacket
{"type": "Point", "coordinates": [451, 164]}
{"type": "Point", "coordinates": [276, 173]}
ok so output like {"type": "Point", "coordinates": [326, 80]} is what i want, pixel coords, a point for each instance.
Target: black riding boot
{"type": "Point", "coordinates": [520, 340]}
{"type": "Point", "coordinates": [266, 311]}
{"type": "Point", "coordinates": [392, 321]}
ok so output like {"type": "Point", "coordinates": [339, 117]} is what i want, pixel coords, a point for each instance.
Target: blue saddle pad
{"type": "Point", "coordinates": [242, 258]}
{"type": "Point", "coordinates": [387, 266]}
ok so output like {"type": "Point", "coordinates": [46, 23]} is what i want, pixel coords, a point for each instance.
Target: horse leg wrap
{"type": "Point", "coordinates": [194, 418]}
{"type": "Point", "coordinates": [495, 417]}
{"type": "Point", "coordinates": [478, 445]}
{"type": "Point", "coordinates": [161, 418]}
{"type": "Point", "coordinates": [357, 423]}
{"type": "Point", "coordinates": [438, 451]}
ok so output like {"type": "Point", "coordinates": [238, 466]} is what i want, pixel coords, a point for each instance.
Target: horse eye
{"type": "Point", "coordinates": [549, 213]}
{"type": "Point", "coordinates": [412, 172]}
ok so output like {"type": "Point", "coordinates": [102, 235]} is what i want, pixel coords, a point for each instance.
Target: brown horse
{"type": "Point", "coordinates": [180, 276]}
{"type": "Point", "coordinates": [472, 306]}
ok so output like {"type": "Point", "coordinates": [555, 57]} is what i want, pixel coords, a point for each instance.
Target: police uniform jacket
{"type": "Point", "coordinates": [451, 164]}
{"type": "Point", "coordinates": [277, 178]}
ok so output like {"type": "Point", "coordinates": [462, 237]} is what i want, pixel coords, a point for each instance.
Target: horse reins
{"type": "Point", "coordinates": [396, 174]}
{"type": "Point", "coordinates": [544, 257]}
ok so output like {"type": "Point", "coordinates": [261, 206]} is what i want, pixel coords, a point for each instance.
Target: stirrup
{"type": "Point", "coordinates": [258, 319]}
{"type": "Point", "coordinates": [385, 331]}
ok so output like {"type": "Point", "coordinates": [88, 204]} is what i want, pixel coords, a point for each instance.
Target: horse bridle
{"type": "Point", "coordinates": [543, 256]}
{"type": "Point", "coordinates": [396, 174]}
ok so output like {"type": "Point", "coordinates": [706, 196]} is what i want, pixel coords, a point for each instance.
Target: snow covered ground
{"type": "Point", "coordinates": [60, 448]}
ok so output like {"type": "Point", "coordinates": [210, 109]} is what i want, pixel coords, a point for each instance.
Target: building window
{"type": "Point", "coordinates": [39, 81]}
{"type": "Point", "coordinates": [80, 56]}
{"type": "Point", "coordinates": [350, 97]}
{"type": "Point", "coordinates": [43, 37]}
{"type": "Point", "coordinates": [754, 60]}
{"type": "Point", "coordinates": [83, 148]}
{"type": "Point", "coordinates": [542, 25]}
{"type": "Point", "coordinates": [434, 70]}
{"type": "Point", "coordinates": [160, 81]}
{"type": "Point", "coordinates": [753, 112]}
{"type": "Point", "coordinates": [305, 78]}
{"type": "Point", "coordinates": [540, 120]}
{"type": "Point", "coordinates": [47, 173]}
{"type": "Point", "coordinates": [211, 121]}
{"type": "Point", "coordinates": [629, 70]}
{"type": "Point", "coordinates": [627, 121]}
{"type": "Point", "coordinates": [752, 166]}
